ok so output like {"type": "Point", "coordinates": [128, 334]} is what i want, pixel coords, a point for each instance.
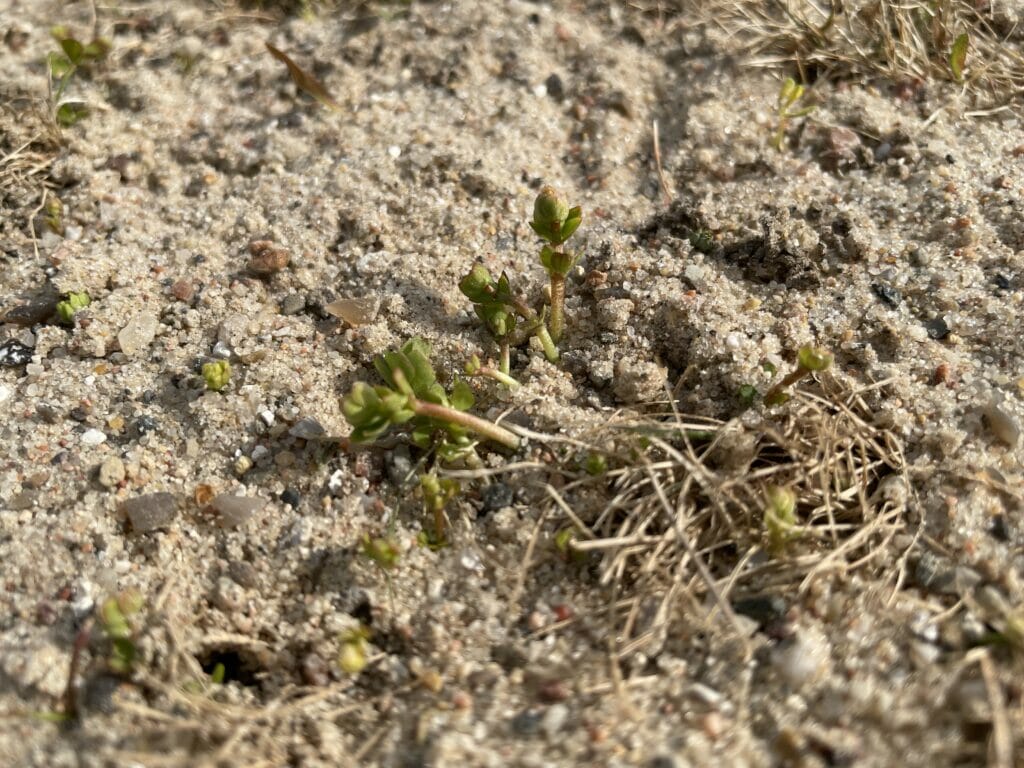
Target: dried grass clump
{"type": "Point", "coordinates": [905, 42]}
{"type": "Point", "coordinates": [682, 523]}
{"type": "Point", "coordinates": [28, 146]}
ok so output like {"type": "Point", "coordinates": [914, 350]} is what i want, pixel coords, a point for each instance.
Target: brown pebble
{"type": "Point", "coordinates": [1003, 182]}
{"type": "Point", "coordinates": [183, 290]}
{"type": "Point", "coordinates": [552, 691]}
{"type": "Point", "coordinates": [314, 670]}
{"type": "Point", "coordinates": [462, 700]}
{"type": "Point", "coordinates": [562, 612]}
{"type": "Point", "coordinates": [267, 258]}
{"type": "Point", "coordinates": [943, 375]}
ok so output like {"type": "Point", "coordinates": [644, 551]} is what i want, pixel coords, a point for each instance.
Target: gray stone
{"type": "Point", "coordinates": [151, 511]}
{"type": "Point", "coordinates": [138, 334]}
{"type": "Point", "coordinates": [235, 511]}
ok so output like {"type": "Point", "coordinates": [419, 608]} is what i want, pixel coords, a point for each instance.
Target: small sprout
{"type": "Point", "coordinates": [352, 656]}
{"type": "Point", "coordinates": [62, 65]}
{"type": "Point", "coordinates": [563, 545]}
{"type": "Point", "coordinates": [412, 396]}
{"type": "Point", "coordinates": [114, 615]}
{"type": "Point", "coordinates": [747, 395]}
{"type": "Point", "coordinates": [595, 464]}
{"type": "Point", "coordinates": [555, 221]}
{"type": "Point", "coordinates": [437, 492]}
{"type": "Point", "coordinates": [217, 676]}
{"type": "Point", "coordinates": [499, 308]}
{"type": "Point", "coordinates": [53, 215]}
{"type": "Point", "coordinates": [702, 240]}
{"type": "Point", "coordinates": [958, 56]}
{"type": "Point", "coordinates": [216, 374]}
{"type": "Point", "coordinates": [383, 551]}
{"type": "Point", "coordinates": [780, 517]}
{"type": "Point", "coordinates": [814, 358]}
{"type": "Point", "coordinates": [809, 360]}
{"type": "Point", "coordinates": [67, 308]}
{"type": "Point", "coordinates": [789, 94]}
{"type": "Point", "coordinates": [303, 80]}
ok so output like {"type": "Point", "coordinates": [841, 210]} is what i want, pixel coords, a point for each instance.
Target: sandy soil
{"type": "Point", "coordinates": [888, 230]}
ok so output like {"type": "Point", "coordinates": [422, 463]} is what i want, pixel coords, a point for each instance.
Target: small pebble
{"type": "Point", "coordinates": [93, 437]}
{"type": "Point", "coordinates": [307, 429]}
{"type": "Point", "coordinates": [937, 328]}
{"type": "Point", "coordinates": [888, 295]}
{"type": "Point", "coordinates": [267, 258]}
{"type": "Point", "coordinates": [291, 497]}
{"type": "Point", "coordinates": [111, 472]}
{"type": "Point", "coordinates": [293, 304]}
{"type": "Point", "coordinates": [138, 334]}
{"type": "Point", "coordinates": [555, 88]}
{"type": "Point", "coordinates": [801, 660]}
{"type": "Point", "coordinates": [1001, 424]}
{"type": "Point", "coordinates": [235, 511]}
{"type": "Point", "coordinates": [554, 720]}
{"type": "Point", "coordinates": [243, 573]}
{"type": "Point", "coordinates": [150, 512]}
{"type": "Point", "coordinates": [314, 670]}
{"type": "Point", "coordinates": [495, 496]}
{"type": "Point", "coordinates": [13, 353]}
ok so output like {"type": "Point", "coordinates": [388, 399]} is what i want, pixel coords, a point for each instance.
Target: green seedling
{"type": "Point", "coordinates": [217, 374]}
{"type": "Point", "coordinates": [500, 309]}
{"type": "Point", "coordinates": [747, 394]}
{"type": "Point", "coordinates": [53, 215]}
{"type": "Point", "coordinates": [780, 518]}
{"type": "Point", "coordinates": [702, 240]}
{"type": "Point", "coordinates": [958, 56]}
{"type": "Point", "coordinates": [413, 398]}
{"type": "Point", "coordinates": [382, 550]}
{"type": "Point", "coordinates": [595, 464]}
{"type": "Point", "coordinates": [475, 368]}
{"type": "Point", "coordinates": [786, 108]}
{"type": "Point", "coordinates": [555, 222]}
{"type": "Point", "coordinates": [563, 545]}
{"type": "Point", "coordinates": [73, 56]}
{"type": "Point", "coordinates": [809, 360]}
{"type": "Point", "coordinates": [115, 621]}
{"type": "Point", "coordinates": [352, 656]}
{"type": "Point", "coordinates": [437, 492]}
{"type": "Point", "coordinates": [67, 308]}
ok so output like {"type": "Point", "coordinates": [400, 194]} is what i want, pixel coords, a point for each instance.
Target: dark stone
{"type": "Point", "coordinates": [1002, 281]}
{"type": "Point", "coordinates": [763, 609]}
{"type": "Point", "coordinates": [1000, 528]}
{"type": "Point", "coordinates": [290, 497]}
{"type": "Point", "coordinates": [13, 353]}
{"type": "Point", "coordinates": [144, 424]}
{"type": "Point", "coordinates": [527, 722]}
{"type": "Point", "coordinates": [556, 89]}
{"type": "Point", "coordinates": [496, 496]}
{"type": "Point", "coordinates": [937, 328]}
{"type": "Point", "coordinates": [150, 511]}
{"type": "Point", "coordinates": [887, 294]}
{"type": "Point", "coordinates": [243, 574]}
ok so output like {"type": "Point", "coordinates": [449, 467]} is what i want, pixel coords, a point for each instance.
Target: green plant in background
{"type": "Point", "coordinates": [382, 550]}
{"type": "Point", "coordinates": [73, 56]}
{"type": "Point", "coordinates": [555, 222]}
{"type": "Point", "coordinates": [67, 308]}
{"type": "Point", "coordinates": [352, 655]}
{"type": "Point", "coordinates": [217, 374]}
{"type": "Point", "coordinates": [437, 493]}
{"type": "Point", "coordinates": [115, 616]}
{"type": "Point", "coordinates": [412, 397]}
{"type": "Point", "coordinates": [53, 215]}
{"type": "Point", "coordinates": [958, 56]}
{"type": "Point", "coordinates": [789, 94]}
{"type": "Point", "coordinates": [780, 518]}
{"type": "Point", "coordinates": [495, 304]}
{"type": "Point", "coordinates": [809, 360]}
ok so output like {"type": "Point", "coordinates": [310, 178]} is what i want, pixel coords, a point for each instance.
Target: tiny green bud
{"type": "Point", "coordinates": [779, 515]}
{"type": "Point", "coordinates": [478, 286]}
{"type": "Point", "coordinates": [67, 308]}
{"type": "Point", "coordinates": [595, 464]}
{"type": "Point", "coordinates": [814, 358]}
{"type": "Point", "coordinates": [382, 551]}
{"type": "Point", "coordinates": [473, 366]}
{"type": "Point", "coordinates": [352, 658]}
{"type": "Point", "coordinates": [130, 601]}
{"type": "Point", "coordinates": [217, 374]}
{"type": "Point", "coordinates": [550, 212]}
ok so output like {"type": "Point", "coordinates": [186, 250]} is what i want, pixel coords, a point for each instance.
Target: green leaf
{"type": "Point", "coordinates": [477, 285]}
{"type": "Point", "coordinates": [70, 112]}
{"type": "Point", "coordinates": [303, 80]}
{"type": "Point", "coordinates": [462, 398]}
{"type": "Point", "coordinates": [60, 32]}
{"type": "Point", "coordinates": [59, 64]}
{"type": "Point", "coordinates": [572, 223]}
{"type": "Point", "coordinates": [96, 50]}
{"type": "Point", "coordinates": [72, 49]}
{"type": "Point", "coordinates": [958, 56]}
